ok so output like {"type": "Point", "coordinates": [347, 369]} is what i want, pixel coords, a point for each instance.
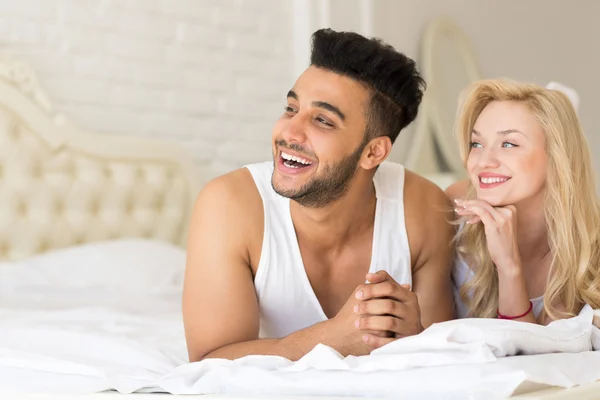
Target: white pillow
{"type": "Point", "coordinates": [133, 264]}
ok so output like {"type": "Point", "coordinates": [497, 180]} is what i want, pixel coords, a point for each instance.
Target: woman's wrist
{"type": "Point", "coordinates": [515, 316]}
{"type": "Point", "coordinates": [513, 301]}
{"type": "Point", "coordinates": [510, 270]}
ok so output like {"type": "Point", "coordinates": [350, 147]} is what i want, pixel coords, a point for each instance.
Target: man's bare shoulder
{"type": "Point", "coordinates": [428, 215]}
{"type": "Point", "coordinates": [232, 199]}
{"type": "Point", "coordinates": [235, 190]}
{"type": "Point", "coordinates": [421, 196]}
{"type": "Point", "coordinates": [458, 190]}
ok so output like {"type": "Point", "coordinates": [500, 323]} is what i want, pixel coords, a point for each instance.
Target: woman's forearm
{"type": "Point", "coordinates": [513, 298]}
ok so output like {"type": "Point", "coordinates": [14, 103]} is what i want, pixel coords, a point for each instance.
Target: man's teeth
{"type": "Point", "coordinates": [290, 157]}
{"type": "Point", "coordinates": [493, 180]}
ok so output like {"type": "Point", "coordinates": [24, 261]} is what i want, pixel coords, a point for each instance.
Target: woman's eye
{"type": "Point", "coordinates": [476, 145]}
{"type": "Point", "coordinates": [508, 144]}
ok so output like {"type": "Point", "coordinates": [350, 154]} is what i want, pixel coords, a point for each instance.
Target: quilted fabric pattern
{"type": "Point", "coordinates": [53, 199]}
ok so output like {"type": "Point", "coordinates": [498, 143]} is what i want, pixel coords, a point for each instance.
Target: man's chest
{"type": "Point", "coordinates": [334, 276]}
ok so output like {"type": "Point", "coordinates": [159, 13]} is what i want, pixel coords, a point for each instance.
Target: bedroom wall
{"type": "Point", "coordinates": [210, 74]}
{"type": "Point", "coordinates": [535, 40]}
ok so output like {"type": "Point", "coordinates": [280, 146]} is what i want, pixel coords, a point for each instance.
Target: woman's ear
{"type": "Point", "coordinates": [376, 151]}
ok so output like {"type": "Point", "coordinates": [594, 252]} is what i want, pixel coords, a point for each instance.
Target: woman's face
{"type": "Point", "coordinates": [507, 162]}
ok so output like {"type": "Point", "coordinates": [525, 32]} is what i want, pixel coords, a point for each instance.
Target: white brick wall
{"type": "Point", "coordinates": [210, 74]}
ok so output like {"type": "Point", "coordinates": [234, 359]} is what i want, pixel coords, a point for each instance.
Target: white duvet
{"type": "Point", "coordinates": [108, 316]}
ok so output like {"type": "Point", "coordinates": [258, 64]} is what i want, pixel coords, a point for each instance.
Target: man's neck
{"type": "Point", "coordinates": [334, 225]}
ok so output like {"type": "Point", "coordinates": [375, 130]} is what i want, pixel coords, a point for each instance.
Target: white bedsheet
{"type": "Point", "coordinates": [130, 340]}
{"type": "Point", "coordinates": [86, 350]}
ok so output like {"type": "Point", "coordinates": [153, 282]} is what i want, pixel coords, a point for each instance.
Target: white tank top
{"type": "Point", "coordinates": [286, 299]}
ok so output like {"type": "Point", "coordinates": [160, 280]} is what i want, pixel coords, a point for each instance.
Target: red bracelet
{"type": "Point", "coordinates": [500, 316]}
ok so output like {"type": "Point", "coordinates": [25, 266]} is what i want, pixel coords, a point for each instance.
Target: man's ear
{"type": "Point", "coordinates": [376, 151]}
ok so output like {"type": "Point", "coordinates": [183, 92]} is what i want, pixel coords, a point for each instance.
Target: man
{"type": "Point", "coordinates": [327, 244]}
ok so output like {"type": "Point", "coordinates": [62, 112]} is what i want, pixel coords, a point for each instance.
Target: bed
{"type": "Point", "coordinates": [92, 236]}
{"type": "Point", "coordinates": [89, 223]}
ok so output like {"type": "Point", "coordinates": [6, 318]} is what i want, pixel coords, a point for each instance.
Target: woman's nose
{"type": "Point", "coordinates": [488, 159]}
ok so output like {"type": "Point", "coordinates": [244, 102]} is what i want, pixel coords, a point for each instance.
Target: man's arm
{"type": "Point", "coordinates": [430, 232]}
{"type": "Point", "coordinates": [220, 308]}
{"type": "Point", "coordinates": [219, 302]}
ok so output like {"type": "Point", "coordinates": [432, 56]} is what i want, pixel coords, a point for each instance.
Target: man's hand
{"type": "Point", "coordinates": [386, 306]}
{"type": "Point", "coordinates": [343, 333]}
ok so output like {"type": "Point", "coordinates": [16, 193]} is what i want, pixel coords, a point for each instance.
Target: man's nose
{"type": "Point", "coordinates": [295, 129]}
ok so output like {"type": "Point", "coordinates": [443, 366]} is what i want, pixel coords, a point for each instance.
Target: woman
{"type": "Point", "coordinates": [530, 222]}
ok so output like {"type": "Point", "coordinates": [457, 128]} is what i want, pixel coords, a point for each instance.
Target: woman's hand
{"type": "Point", "coordinates": [500, 225]}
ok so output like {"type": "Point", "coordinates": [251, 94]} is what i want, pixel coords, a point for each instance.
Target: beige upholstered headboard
{"type": "Point", "coordinates": [61, 186]}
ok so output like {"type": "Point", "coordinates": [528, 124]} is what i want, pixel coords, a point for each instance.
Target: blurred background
{"type": "Point", "coordinates": [212, 74]}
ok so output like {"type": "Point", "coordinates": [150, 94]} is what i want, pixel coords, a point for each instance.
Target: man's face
{"type": "Point", "coordinates": [319, 139]}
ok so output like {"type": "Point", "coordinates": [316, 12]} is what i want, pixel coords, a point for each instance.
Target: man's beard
{"type": "Point", "coordinates": [329, 186]}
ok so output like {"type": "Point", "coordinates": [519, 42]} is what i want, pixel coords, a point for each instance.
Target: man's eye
{"type": "Point", "coordinates": [324, 122]}
{"type": "Point", "coordinates": [289, 109]}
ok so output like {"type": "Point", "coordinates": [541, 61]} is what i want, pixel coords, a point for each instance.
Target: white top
{"type": "Point", "coordinates": [286, 299]}
{"type": "Point", "coordinates": [462, 273]}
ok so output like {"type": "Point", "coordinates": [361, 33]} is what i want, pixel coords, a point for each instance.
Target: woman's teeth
{"type": "Point", "coordinates": [493, 180]}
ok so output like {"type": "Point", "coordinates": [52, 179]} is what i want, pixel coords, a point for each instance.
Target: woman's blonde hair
{"type": "Point", "coordinates": [571, 208]}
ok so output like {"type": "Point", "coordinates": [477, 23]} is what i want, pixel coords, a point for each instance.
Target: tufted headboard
{"type": "Point", "coordinates": [61, 186]}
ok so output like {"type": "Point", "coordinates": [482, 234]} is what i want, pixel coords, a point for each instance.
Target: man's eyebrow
{"type": "Point", "coordinates": [332, 108]}
{"type": "Point", "coordinates": [321, 104]}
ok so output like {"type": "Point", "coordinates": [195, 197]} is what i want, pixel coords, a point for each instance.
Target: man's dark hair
{"type": "Point", "coordinates": [396, 85]}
